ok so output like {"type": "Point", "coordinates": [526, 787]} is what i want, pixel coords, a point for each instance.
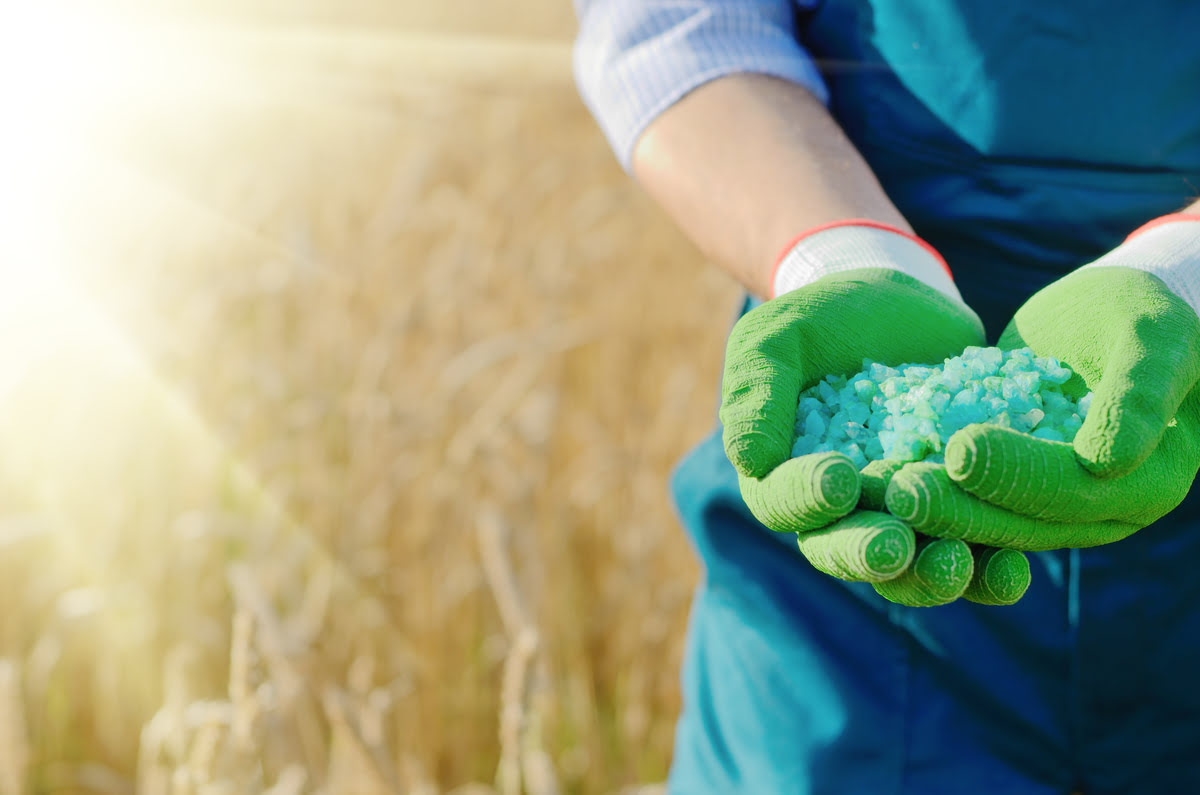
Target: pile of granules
{"type": "Point", "coordinates": [909, 412]}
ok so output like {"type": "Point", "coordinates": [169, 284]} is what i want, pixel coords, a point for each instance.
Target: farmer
{"type": "Point", "coordinates": [881, 176]}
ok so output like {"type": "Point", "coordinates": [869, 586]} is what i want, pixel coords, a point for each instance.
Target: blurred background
{"type": "Point", "coordinates": [341, 374]}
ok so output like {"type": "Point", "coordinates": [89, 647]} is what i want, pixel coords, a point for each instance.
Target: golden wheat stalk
{"type": "Point", "coordinates": [372, 760]}
{"type": "Point", "coordinates": [14, 740]}
{"type": "Point", "coordinates": [284, 658]}
{"type": "Point", "coordinates": [246, 707]}
{"type": "Point", "coordinates": [522, 758]}
{"type": "Point", "coordinates": [513, 716]}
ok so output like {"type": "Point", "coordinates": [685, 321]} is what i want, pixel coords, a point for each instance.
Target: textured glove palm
{"type": "Point", "coordinates": [788, 344]}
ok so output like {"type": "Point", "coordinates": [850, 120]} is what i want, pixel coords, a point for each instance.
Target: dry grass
{"type": "Point", "coordinates": [355, 480]}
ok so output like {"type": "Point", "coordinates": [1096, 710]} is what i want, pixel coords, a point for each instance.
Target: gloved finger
{"type": "Point", "coordinates": [939, 574]}
{"type": "Point", "coordinates": [1139, 373]}
{"type": "Point", "coordinates": [760, 389]}
{"type": "Point", "coordinates": [803, 493]}
{"type": "Point", "coordinates": [1001, 576]}
{"type": "Point", "coordinates": [923, 495]}
{"type": "Point", "coordinates": [864, 546]}
{"type": "Point", "coordinates": [875, 477]}
{"type": "Point", "coordinates": [1045, 480]}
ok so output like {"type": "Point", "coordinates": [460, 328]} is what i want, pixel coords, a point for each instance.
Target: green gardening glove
{"type": "Point", "coordinates": [846, 292]}
{"type": "Point", "coordinates": [1128, 325]}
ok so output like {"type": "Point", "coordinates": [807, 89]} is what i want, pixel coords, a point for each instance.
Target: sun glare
{"type": "Point", "coordinates": [48, 89]}
{"type": "Point", "coordinates": [69, 77]}
{"type": "Point", "coordinates": [61, 72]}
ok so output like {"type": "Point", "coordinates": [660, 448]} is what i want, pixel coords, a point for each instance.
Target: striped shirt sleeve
{"type": "Point", "coordinates": [635, 58]}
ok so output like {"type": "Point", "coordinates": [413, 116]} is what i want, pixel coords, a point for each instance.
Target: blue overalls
{"type": "Point", "coordinates": [1022, 139]}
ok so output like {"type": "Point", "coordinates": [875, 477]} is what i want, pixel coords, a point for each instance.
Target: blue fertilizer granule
{"type": "Point", "coordinates": [909, 412]}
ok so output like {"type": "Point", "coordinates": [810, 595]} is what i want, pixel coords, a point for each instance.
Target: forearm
{"type": "Point", "coordinates": [745, 163]}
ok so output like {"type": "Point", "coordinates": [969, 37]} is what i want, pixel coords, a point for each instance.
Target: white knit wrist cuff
{"type": "Point", "coordinates": [849, 245]}
{"type": "Point", "coordinates": [1167, 247]}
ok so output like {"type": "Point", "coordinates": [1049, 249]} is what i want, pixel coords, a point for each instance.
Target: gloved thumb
{"type": "Point", "coordinates": [1148, 372]}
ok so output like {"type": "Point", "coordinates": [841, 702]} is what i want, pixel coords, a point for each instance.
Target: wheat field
{"type": "Point", "coordinates": [336, 461]}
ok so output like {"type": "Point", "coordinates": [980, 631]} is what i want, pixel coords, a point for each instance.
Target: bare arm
{"type": "Point", "coordinates": [746, 162]}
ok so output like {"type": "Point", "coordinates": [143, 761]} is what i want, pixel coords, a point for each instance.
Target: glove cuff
{"type": "Point", "coordinates": [1167, 247]}
{"type": "Point", "coordinates": [859, 243]}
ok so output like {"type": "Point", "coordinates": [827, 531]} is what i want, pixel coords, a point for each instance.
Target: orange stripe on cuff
{"type": "Point", "coordinates": [874, 225]}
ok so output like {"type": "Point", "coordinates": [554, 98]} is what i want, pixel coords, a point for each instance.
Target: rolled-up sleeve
{"type": "Point", "coordinates": [635, 58]}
